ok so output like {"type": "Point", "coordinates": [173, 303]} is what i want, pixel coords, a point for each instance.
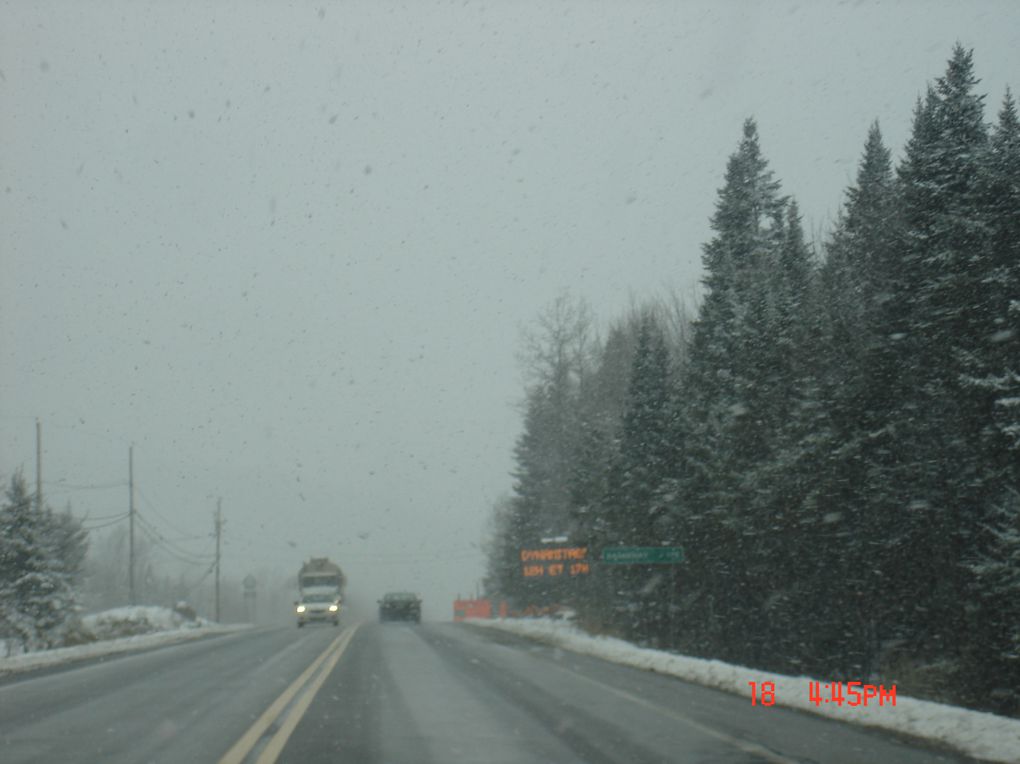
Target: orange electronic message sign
{"type": "Point", "coordinates": [559, 561]}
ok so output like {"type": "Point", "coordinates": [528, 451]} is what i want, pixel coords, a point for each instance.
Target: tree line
{"type": "Point", "coordinates": [834, 440]}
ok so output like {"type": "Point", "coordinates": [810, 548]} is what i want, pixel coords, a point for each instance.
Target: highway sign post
{"type": "Point", "coordinates": [649, 555]}
{"type": "Point", "coordinates": [642, 555]}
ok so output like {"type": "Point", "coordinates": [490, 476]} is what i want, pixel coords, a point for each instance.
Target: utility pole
{"type": "Point", "coordinates": [131, 525]}
{"type": "Point", "coordinates": [219, 529]}
{"type": "Point", "coordinates": [38, 465]}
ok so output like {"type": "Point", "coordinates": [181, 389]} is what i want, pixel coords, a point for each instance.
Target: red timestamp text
{"type": "Point", "coordinates": [852, 694]}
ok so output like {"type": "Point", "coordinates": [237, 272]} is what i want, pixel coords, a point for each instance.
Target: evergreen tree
{"type": "Point", "coordinates": [991, 378]}
{"type": "Point", "coordinates": [726, 362]}
{"type": "Point", "coordinates": [851, 436]}
{"type": "Point", "coordinates": [1001, 377]}
{"type": "Point", "coordinates": [40, 559]}
{"type": "Point", "coordinates": [734, 396]}
{"type": "Point", "coordinates": [503, 562]}
{"type": "Point", "coordinates": [602, 399]}
{"type": "Point", "coordinates": [995, 652]}
{"type": "Point", "coordinates": [633, 513]}
{"type": "Point", "coordinates": [946, 319]}
{"type": "Point", "coordinates": [645, 452]}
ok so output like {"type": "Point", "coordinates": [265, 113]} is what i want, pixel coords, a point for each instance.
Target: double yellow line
{"type": "Point", "coordinates": [238, 753]}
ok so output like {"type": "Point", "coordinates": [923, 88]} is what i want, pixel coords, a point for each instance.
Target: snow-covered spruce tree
{"type": "Point", "coordinates": [943, 322]}
{"type": "Point", "coordinates": [992, 657]}
{"type": "Point", "coordinates": [995, 659]}
{"type": "Point", "coordinates": [856, 286]}
{"type": "Point", "coordinates": [605, 397]}
{"type": "Point", "coordinates": [848, 428]}
{"type": "Point", "coordinates": [41, 555]}
{"type": "Point", "coordinates": [1002, 280]}
{"type": "Point", "coordinates": [633, 513]}
{"type": "Point", "coordinates": [502, 564]}
{"type": "Point", "coordinates": [541, 493]}
{"type": "Point", "coordinates": [645, 450]}
{"type": "Point", "coordinates": [602, 398]}
{"type": "Point", "coordinates": [734, 396]}
{"type": "Point", "coordinates": [778, 488]}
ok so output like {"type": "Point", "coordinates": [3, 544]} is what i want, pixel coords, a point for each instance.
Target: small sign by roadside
{"type": "Point", "coordinates": [642, 555]}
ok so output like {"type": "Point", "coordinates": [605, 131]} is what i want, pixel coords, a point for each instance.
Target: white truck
{"type": "Point", "coordinates": [321, 586]}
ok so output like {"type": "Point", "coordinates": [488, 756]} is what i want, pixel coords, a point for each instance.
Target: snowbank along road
{"type": "Point", "coordinates": [400, 693]}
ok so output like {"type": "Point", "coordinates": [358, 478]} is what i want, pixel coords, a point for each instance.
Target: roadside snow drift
{"type": "Point", "coordinates": [118, 631]}
{"type": "Point", "coordinates": [983, 735]}
{"type": "Point", "coordinates": [133, 621]}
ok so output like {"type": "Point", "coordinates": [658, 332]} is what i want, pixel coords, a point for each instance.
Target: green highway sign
{"type": "Point", "coordinates": [642, 555]}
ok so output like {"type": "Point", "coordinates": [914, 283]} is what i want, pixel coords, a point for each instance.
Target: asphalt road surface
{"type": "Point", "coordinates": [400, 693]}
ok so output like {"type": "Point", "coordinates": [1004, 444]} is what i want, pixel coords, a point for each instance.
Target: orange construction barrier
{"type": "Point", "coordinates": [463, 609]}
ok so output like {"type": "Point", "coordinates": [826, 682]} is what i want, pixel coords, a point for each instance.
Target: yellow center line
{"type": "Point", "coordinates": [275, 746]}
{"type": "Point", "coordinates": [240, 750]}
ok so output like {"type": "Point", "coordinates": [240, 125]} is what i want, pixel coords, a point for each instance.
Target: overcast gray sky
{"type": "Point", "coordinates": [285, 248]}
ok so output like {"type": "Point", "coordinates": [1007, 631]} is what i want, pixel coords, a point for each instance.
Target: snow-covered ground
{"type": "Point", "coordinates": [117, 631]}
{"type": "Point", "coordinates": [985, 736]}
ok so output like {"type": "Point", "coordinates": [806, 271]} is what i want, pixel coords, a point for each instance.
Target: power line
{"type": "Point", "coordinates": [89, 518]}
{"type": "Point", "coordinates": [168, 542]}
{"type": "Point", "coordinates": [184, 536]}
{"type": "Point", "coordinates": [187, 560]}
{"type": "Point", "coordinates": [184, 555]}
{"type": "Point", "coordinates": [198, 583]}
{"type": "Point", "coordinates": [106, 524]}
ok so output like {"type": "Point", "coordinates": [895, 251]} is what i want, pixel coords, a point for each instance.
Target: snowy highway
{"type": "Point", "coordinates": [395, 693]}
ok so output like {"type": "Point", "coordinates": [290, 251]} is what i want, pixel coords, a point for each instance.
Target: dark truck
{"type": "Point", "coordinates": [400, 606]}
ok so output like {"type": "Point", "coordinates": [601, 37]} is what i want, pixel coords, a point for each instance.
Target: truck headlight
{"type": "Point", "coordinates": [333, 608]}
{"type": "Point", "coordinates": [301, 608]}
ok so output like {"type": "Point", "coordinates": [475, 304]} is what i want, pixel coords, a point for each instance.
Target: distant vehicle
{"type": "Point", "coordinates": [400, 606]}
{"type": "Point", "coordinates": [321, 585]}
{"type": "Point", "coordinates": [318, 607]}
